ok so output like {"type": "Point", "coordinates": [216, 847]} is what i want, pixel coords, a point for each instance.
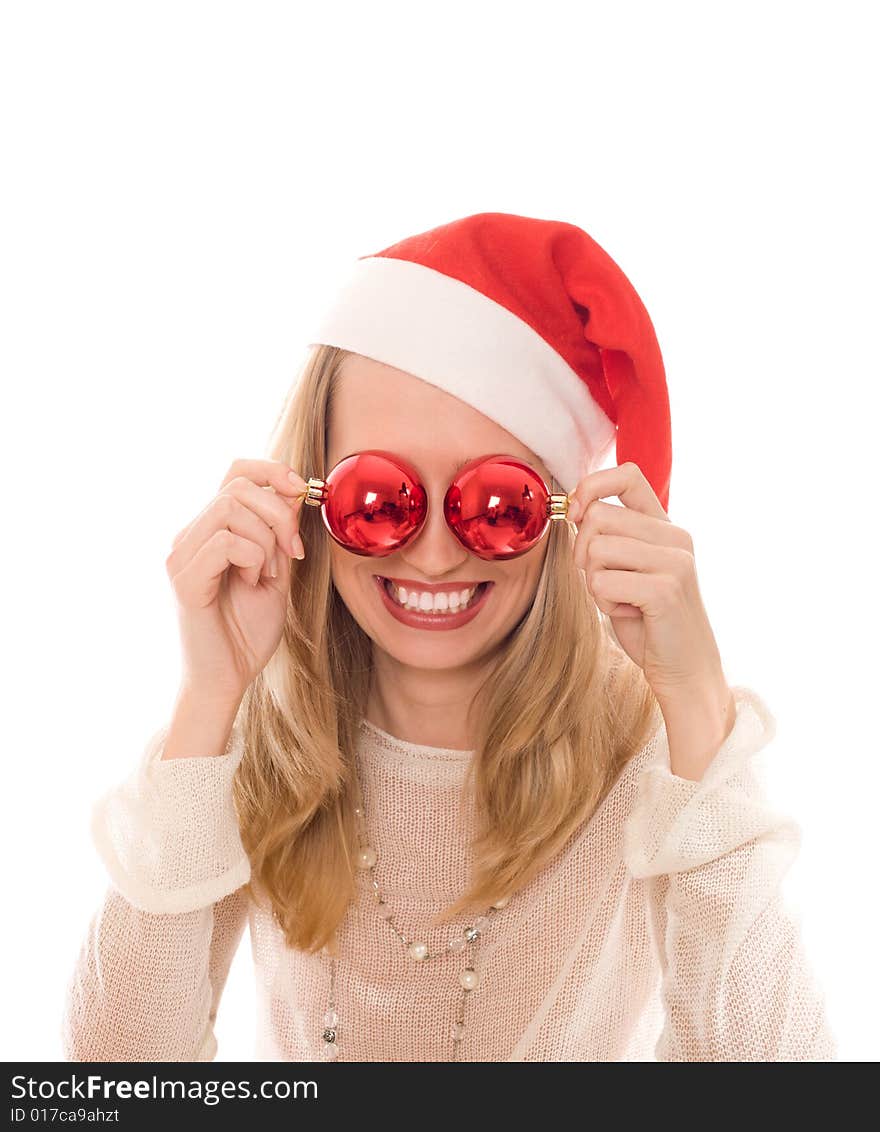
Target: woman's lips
{"type": "Point", "coordinates": [416, 619]}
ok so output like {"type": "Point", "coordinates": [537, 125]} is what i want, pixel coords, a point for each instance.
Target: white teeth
{"type": "Point", "coordinates": [430, 603]}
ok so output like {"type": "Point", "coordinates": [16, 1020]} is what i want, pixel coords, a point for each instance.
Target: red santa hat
{"type": "Point", "coordinates": [528, 321]}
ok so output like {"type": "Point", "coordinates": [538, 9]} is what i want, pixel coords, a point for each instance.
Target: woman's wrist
{"type": "Point", "coordinates": [201, 724]}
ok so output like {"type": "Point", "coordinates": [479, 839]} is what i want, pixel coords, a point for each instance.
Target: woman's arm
{"type": "Point", "coordinates": [146, 986]}
{"type": "Point", "coordinates": [737, 984]}
{"type": "Point", "coordinates": [148, 978]}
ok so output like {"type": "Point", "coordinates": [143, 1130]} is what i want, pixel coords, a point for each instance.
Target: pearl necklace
{"type": "Point", "coordinates": [468, 977]}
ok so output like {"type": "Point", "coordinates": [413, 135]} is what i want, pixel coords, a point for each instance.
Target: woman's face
{"type": "Point", "coordinates": [378, 406]}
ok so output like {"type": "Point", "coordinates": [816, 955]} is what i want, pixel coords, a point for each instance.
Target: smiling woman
{"type": "Point", "coordinates": [440, 790]}
{"type": "Point", "coordinates": [417, 674]}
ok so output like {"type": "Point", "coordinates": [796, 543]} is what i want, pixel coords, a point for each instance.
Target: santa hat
{"type": "Point", "coordinates": [528, 321]}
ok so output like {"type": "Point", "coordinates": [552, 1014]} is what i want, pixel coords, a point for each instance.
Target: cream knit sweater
{"type": "Point", "coordinates": [660, 932]}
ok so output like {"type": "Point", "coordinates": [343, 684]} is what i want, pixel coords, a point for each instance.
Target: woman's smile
{"type": "Point", "coordinates": [448, 605]}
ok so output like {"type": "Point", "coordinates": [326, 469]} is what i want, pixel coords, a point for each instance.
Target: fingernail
{"type": "Point", "coordinates": [274, 567]}
{"type": "Point", "coordinates": [299, 551]}
{"type": "Point", "coordinates": [294, 478]}
{"type": "Point", "coordinates": [574, 510]}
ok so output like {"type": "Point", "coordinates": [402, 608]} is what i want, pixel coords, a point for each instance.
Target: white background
{"type": "Point", "coordinates": [180, 182]}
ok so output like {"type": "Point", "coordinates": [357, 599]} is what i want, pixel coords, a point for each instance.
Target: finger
{"type": "Point", "coordinates": [619, 552]}
{"type": "Point", "coordinates": [197, 582]}
{"type": "Point", "coordinates": [281, 579]}
{"type": "Point", "coordinates": [289, 491]}
{"type": "Point", "coordinates": [180, 534]}
{"type": "Point", "coordinates": [281, 515]}
{"type": "Point", "coordinates": [268, 473]}
{"type": "Point", "coordinates": [274, 520]}
{"type": "Point", "coordinates": [224, 511]}
{"type": "Point", "coordinates": [609, 518]}
{"type": "Point", "coordinates": [627, 587]}
{"type": "Point", "coordinates": [626, 481]}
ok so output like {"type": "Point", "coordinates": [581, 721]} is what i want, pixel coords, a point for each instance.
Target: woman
{"type": "Point", "coordinates": [473, 775]}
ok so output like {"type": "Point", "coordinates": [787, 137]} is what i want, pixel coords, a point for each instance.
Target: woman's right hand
{"type": "Point", "coordinates": [231, 607]}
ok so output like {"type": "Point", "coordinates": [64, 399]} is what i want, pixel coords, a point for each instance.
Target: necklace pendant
{"type": "Point", "coordinates": [469, 979]}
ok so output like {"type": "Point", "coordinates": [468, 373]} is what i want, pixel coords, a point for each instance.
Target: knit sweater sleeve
{"type": "Point", "coordinates": [737, 984]}
{"type": "Point", "coordinates": [150, 971]}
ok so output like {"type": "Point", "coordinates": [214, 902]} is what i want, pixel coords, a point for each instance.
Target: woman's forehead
{"type": "Point", "coordinates": [379, 406]}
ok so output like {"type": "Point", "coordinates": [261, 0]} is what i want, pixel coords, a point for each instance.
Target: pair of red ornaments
{"type": "Point", "coordinates": [373, 503]}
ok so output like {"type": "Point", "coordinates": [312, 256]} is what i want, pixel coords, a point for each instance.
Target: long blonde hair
{"type": "Point", "coordinates": [556, 718]}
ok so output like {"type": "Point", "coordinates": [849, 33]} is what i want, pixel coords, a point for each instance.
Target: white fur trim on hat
{"type": "Point", "coordinates": [449, 334]}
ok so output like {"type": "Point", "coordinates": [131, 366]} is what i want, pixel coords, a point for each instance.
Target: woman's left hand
{"type": "Point", "coordinates": [641, 571]}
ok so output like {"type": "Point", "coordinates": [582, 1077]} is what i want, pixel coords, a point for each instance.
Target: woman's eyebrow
{"type": "Point", "coordinates": [468, 459]}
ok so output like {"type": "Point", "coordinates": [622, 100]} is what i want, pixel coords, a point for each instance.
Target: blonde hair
{"type": "Point", "coordinates": [543, 762]}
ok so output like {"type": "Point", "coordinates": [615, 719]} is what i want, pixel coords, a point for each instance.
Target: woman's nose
{"type": "Point", "coordinates": [435, 548]}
